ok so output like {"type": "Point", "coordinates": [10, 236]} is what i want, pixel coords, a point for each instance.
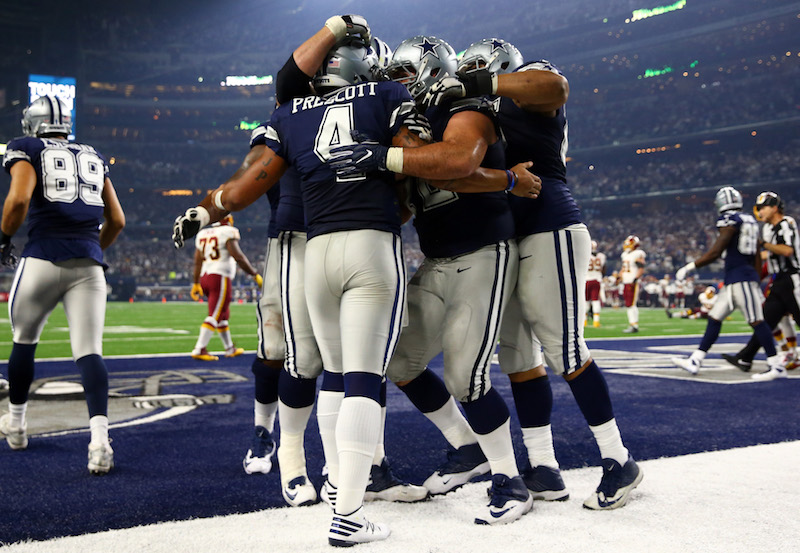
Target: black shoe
{"type": "Point", "coordinates": [738, 362]}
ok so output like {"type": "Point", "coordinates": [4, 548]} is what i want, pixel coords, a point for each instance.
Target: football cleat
{"type": "Point", "coordinates": [348, 530]}
{"type": "Point", "coordinates": [738, 362]}
{"type": "Point", "coordinates": [234, 352]}
{"type": "Point", "coordinates": [792, 361]}
{"type": "Point", "coordinates": [203, 355]}
{"type": "Point", "coordinates": [462, 465]}
{"type": "Point", "coordinates": [689, 365]}
{"type": "Point", "coordinates": [299, 492]}
{"type": "Point", "coordinates": [259, 456]}
{"type": "Point", "coordinates": [327, 493]}
{"type": "Point", "coordinates": [615, 486]}
{"type": "Point", "coordinates": [384, 485]}
{"type": "Point", "coordinates": [510, 499]}
{"type": "Point", "coordinates": [17, 437]}
{"type": "Point", "coordinates": [773, 373]}
{"type": "Point", "coordinates": [631, 330]}
{"type": "Point", "coordinates": [3, 383]}
{"type": "Point", "coordinates": [596, 324]}
{"type": "Point", "coordinates": [545, 483]}
{"type": "Point", "coordinates": [101, 458]}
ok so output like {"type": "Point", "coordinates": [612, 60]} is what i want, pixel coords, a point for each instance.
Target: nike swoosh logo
{"type": "Point", "coordinates": [291, 496]}
{"type": "Point", "coordinates": [445, 482]}
{"type": "Point", "coordinates": [462, 269]}
{"type": "Point", "coordinates": [365, 157]}
{"type": "Point", "coordinates": [498, 514]}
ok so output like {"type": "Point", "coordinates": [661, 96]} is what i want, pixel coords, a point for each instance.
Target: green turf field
{"type": "Point", "coordinates": [147, 328]}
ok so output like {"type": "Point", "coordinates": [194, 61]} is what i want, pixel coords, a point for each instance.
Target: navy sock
{"type": "Point", "coordinates": [20, 372]}
{"type": "Point", "coordinates": [296, 392]}
{"type": "Point", "coordinates": [591, 393]}
{"type": "Point", "coordinates": [94, 377]}
{"type": "Point", "coordinates": [486, 413]}
{"type": "Point", "coordinates": [712, 333]}
{"type": "Point", "coordinates": [534, 401]}
{"type": "Point", "coordinates": [267, 374]}
{"type": "Point", "coordinates": [427, 392]}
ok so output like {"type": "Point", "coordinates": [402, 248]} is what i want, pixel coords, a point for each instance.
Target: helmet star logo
{"type": "Point", "coordinates": [427, 48]}
{"type": "Point", "coordinates": [498, 45]}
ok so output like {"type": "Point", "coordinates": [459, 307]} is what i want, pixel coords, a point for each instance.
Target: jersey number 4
{"type": "Point", "coordinates": [67, 175]}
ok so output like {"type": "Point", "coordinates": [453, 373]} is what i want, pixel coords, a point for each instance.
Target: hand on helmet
{"type": "Point", "coordinates": [364, 156]}
{"type": "Point", "coordinates": [349, 27]}
{"type": "Point", "coordinates": [186, 226]}
{"type": "Point", "coordinates": [449, 87]}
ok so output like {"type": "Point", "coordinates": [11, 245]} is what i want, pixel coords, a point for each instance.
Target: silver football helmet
{"type": "Point", "coordinates": [383, 52]}
{"type": "Point", "coordinates": [494, 54]}
{"type": "Point", "coordinates": [346, 65]}
{"type": "Point", "coordinates": [47, 115]}
{"type": "Point", "coordinates": [420, 62]}
{"type": "Point", "coordinates": [728, 198]}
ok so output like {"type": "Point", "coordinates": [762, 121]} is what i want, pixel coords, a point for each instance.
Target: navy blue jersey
{"type": "Point", "coordinates": [303, 131]}
{"type": "Point", "coordinates": [291, 214]}
{"type": "Point", "coordinates": [66, 208]}
{"type": "Point", "coordinates": [451, 224]}
{"type": "Point", "coordinates": [740, 255]}
{"type": "Point", "coordinates": [543, 140]}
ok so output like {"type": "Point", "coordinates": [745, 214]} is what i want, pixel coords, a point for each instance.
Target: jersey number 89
{"type": "Point", "coordinates": [67, 175]}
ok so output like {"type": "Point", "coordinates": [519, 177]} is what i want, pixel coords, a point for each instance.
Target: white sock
{"type": "Point", "coordinates": [328, 404]}
{"type": "Point", "coordinates": [264, 414]}
{"type": "Point", "coordinates": [98, 425]}
{"type": "Point", "coordinates": [203, 339]}
{"type": "Point", "coordinates": [497, 447]}
{"type": "Point", "coordinates": [775, 361]}
{"type": "Point", "coordinates": [291, 456]}
{"type": "Point", "coordinates": [17, 412]}
{"type": "Point", "coordinates": [452, 424]}
{"type": "Point", "coordinates": [697, 356]}
{"type": "Point", "coordinates": [538, 441]}
{"type": "Point", "coordinates": [380, 451]}
{"type": "Point", "coordinates": [610, 442]}
{"type": "Point", "coordinates": [225, 336]}
{"type": "Point", "coordinates": [633, 316]}
{"type": "Point", "coordinates": [357, 432]}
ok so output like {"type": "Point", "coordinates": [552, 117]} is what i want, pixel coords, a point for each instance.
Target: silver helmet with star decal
{"type": "Point", "coordinates": [494, 54]}
{"type": "Point", "coordinates": [420, 62]}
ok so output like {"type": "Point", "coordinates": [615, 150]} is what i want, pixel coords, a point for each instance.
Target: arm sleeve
{"type": "Point", "coordinates": [291, 82]}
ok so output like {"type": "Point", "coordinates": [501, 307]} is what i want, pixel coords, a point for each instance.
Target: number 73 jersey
{"type": "Point", "coordinates": [67, 202]}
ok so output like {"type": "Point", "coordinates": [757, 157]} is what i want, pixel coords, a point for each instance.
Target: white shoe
{"type": "Point", "coordinates": [348, 530]}
{"type": "Point", "coordinates": [327, 493]}
{"type": "Point", "coordinates": [101, 458]}
{"type": "Point", "coordinates": [3, 383]}
{"type": "Point", "coordinates": [17, 437]}
{"type": "Point", "coordinates": [689, 365]}
{"type": "Point", "coordinates": [259, 457]}
{"type": "Point", "coordinates": [299, 492]}
{"type": "Point", "coordinates": [510, 500]}
{"type": "Point", "coordinates": [773, 373]}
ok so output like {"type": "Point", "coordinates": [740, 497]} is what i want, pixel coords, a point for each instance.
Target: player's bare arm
{"type": "Point", "coordinates": [724, 238]}
{"type": "Point", "coordinates": [241, 259]}
{"type": "Point", "coordinates": [238, 193]}
{"type": "Point", "coordinates": [114, 216]}
{"type": "Point", "coordinates": [534, 90]}
{"type": "Point", "coordinates": [15, 208]}
{"type": "Point", "coordinates": [197, 291]}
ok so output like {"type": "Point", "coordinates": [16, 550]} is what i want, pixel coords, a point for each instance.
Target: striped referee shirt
{"type": "Point", "coordinates": [785, 232]}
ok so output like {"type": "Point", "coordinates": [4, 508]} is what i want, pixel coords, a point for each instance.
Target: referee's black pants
{"type": "Point", "coordinates": [782, 299]}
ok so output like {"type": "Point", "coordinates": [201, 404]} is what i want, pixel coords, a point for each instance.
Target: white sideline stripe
{"type": "Point", "coordinates": [221, 354]}
{"type": "Point", "coordinates": [735, 501]}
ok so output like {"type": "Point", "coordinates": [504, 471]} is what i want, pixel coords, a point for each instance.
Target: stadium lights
{"type": "Point", "coordinates": [249, 80]}
{"type": "Point", "coordinates": [638, 15]}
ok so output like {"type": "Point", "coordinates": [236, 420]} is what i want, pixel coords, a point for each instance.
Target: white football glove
{"type": "Point", "coordinates": [449, 87]}
{"type": "Point", "coordinates": [419, 125]}
{"type": "Point", "coordinates": [349, 26]}
{"type": "Point", "coordinates": [186, 226]}
{"type": "Point", "coordinates": [680, 274]}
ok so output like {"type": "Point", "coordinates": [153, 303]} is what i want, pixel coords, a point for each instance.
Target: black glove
{"type": "Point", "coordinates": [362, 157]}
{"type": "Point", "coordinates": [477, 83]}
{"type": "Point", "coordinates": [7, 256]}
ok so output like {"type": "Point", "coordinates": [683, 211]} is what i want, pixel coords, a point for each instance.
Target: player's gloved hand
{"type": "Point", "coordinates": [528, 185]}
{"type": "Point", "coordinates": [362, 157]}
{"type": "Point", "coordinates": [259, 280]}
{"type": "Point", "coordinates": [7, 256]}
{"type": "Point", "coordinates": [419, 125]}
{"type": "Point", "coordinates": [680, 274]}
{"type": "Point", "coordinates": [189, 224]}
{"type": "Point", "coordinates": [449, 87]}
{"type": "Point", "coordinates": [197, 291]}
{"type": "Point", "coordinates": [349, 26]}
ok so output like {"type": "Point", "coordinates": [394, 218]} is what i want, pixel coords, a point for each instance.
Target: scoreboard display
{"type": "Point", "coordinates": [62, 87]}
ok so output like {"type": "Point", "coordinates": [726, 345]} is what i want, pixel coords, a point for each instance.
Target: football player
{"type": "Point", "coordinates": [632, 268]}
{"type": "Point", "coordinates": [554, 248]}
{"type": "Point", "coordinates": [738, 241]}
{"type": "Point", "coordinates": [468, 244]}
{"type": "Point", "coordinates": [216, 255]}
{"type": "Point", "coordinates": [781, 250]}
{"type": "Point", "coordinates": [73, 215]}
{"type": "Point", "coordinates": [594, 283]}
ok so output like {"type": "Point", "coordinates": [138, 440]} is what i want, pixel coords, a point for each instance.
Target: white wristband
{"type": "Point", "coordinates": [218, 200]}
{"type": "Point", "coordinates": [337, 26]}
{"type": "Point", "coordinates": [689, 267]}
{"type": "Point", "coordinates": [394, 160]}
{"type": "Point", "coordinates": [494, 84]}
